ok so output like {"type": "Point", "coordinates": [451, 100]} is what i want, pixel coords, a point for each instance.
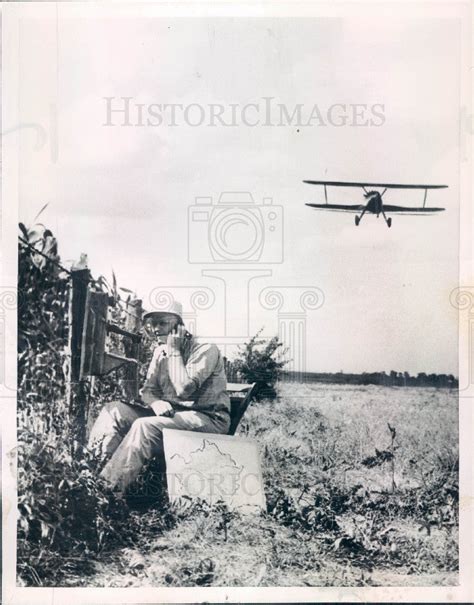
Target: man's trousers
{"type": "Point", "coordinates": [129, 436]}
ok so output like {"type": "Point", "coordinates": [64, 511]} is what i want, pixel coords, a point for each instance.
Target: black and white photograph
{"type": "Point", "coordinates": [237, 302]}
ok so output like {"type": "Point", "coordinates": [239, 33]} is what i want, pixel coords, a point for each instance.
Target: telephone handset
{"type": "Point", "coordinates": [187, 334]}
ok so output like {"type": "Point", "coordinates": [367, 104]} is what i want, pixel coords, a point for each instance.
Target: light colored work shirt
{"type": "Point", "coordinates": [205, 368]}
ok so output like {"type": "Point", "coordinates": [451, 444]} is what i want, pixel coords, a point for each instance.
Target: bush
{"type": "Point", "coordinates": [260, 361]}
{"type": "Point", "coordinates": [67, 516]}
{"type": "Point", "coordinates": [66, 513]}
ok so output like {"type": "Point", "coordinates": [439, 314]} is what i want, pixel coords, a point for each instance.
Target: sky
{"type": "Point", "coordinates": [126, 195]}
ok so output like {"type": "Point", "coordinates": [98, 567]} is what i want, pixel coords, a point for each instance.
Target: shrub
{"type": "Point", "coordinates": [260, 361]}
{"type": "Point", "coordinates": [66, 514]}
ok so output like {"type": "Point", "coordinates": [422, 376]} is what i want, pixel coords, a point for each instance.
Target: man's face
{"type": "Point", "coordinates": [161, 326]}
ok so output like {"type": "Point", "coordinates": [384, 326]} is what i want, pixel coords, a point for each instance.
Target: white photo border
{"type": "Point", "coordinates": [11, 14]}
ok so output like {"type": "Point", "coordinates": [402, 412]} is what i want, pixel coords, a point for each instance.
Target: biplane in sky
{"type": "Point", "coordinates": [373, 200]}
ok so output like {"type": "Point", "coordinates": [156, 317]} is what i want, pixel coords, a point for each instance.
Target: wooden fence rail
{"type": "Point", "coordinates": [88, 326]}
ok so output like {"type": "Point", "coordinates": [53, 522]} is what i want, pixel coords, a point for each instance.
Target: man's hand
{"type": "Point", "coordinates": [175, 340]}
{"type": "Point", "coordinates": [162, 408]}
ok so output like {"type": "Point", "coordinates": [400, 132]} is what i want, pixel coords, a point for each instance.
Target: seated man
{"type": "Point", "coordinates": [185, 389]}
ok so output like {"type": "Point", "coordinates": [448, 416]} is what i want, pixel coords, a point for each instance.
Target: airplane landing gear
{"type": "Point", "coordinates": [389, 222]}
{"type": "Point", "coordinates": [357, 220]}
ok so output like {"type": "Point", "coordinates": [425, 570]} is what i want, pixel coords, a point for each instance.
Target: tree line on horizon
{"type": "Point", "coordinates": [398, 379]}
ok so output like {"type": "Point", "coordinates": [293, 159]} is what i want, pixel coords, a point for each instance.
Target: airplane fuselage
{"type": "Point", "coordinates": [374, 202]}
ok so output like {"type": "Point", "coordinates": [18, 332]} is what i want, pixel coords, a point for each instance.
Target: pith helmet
{"type": "Point", "coordinates": [174, 310]}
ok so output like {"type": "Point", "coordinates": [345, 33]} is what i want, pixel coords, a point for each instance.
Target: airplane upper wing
{"type": "Point", "coordinates": [338, 207]}
{"type": "Point", "coordinates": [388, 185]}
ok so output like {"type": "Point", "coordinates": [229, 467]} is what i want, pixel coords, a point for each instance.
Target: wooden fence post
{"type": "Point", "coordinates": [132, 349]}
{"type": "Point", "coordinates": [77, 394]}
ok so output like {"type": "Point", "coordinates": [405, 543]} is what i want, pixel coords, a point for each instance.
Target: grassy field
{"type": "Point", "coordinates": [351, 502]}
{"type": "Point", "coordinates": [361, 482]}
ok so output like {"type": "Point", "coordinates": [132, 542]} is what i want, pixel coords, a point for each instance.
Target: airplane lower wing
{"type": "Point", "coordinates": [387, 208]}
{"type": "Point", "coordinates": [408, 210]}
{"type": "Point", "coordinates": [338, 207]}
